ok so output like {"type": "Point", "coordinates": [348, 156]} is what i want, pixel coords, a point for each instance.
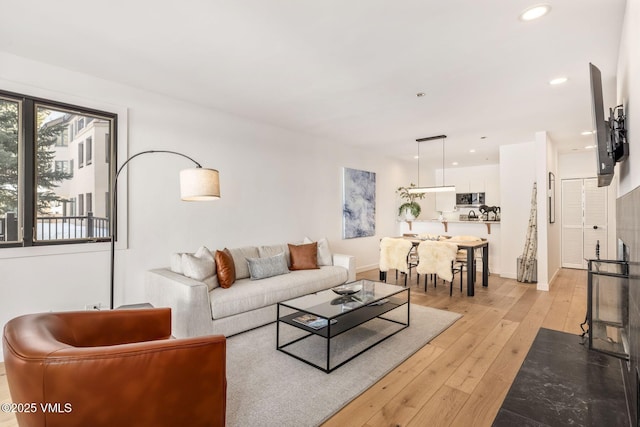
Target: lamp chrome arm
{"type": "Point", "coordinates": [213, 175]}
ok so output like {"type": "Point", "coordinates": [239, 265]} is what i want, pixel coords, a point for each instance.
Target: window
{"type": "Point", "coordinates": [80, 154]}
{"type": "Point", "coordinates": [107, 148]}
{"type": "Point", "coordinates": [41, 199]}
{"type": "Point", "coordinates": [72, 206]}
{"type": "Point", "coordinates": [88, 147]}
{"type": "Point", "coordinates": [63, 139]}
{"type": "Point", "coordinates": [81, 204]}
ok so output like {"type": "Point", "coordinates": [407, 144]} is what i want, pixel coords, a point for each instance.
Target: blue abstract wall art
{"type": "Point", "coordinates": [358, 204]}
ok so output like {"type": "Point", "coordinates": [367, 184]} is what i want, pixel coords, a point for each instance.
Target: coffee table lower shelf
{"type": "Point", "coordinates": [344, 322]}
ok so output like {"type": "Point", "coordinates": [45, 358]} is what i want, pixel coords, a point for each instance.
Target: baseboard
{"type": "Point", "coordinates": [555, 274]}
{"type": "Point", "coordinates": [509, 275]}
{"type": "Point", "coordinates": [363, 268]}
{"type": "Point", "coordinates": [542, 286]}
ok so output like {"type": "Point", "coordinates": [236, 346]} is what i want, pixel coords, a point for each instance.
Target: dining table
{"type": "Point", "coordinates": [470, 247]}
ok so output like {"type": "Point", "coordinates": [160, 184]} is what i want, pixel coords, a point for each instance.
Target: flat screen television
{"type": "Point", "coordinates": [610, 135]}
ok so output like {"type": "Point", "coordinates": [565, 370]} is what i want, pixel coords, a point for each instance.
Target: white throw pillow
{"type": "Point", "coordinates": [175, 263]}
{"type": "Point", "coordinates": [200, 266]}
{"type": "Point", "coordinates": [324, 252]}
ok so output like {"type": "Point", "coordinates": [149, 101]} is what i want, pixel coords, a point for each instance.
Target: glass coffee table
{"type": "Point", "coordinates": [329, 328]}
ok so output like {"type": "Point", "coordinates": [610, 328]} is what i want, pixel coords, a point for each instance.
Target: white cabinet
{"type": "Point", "coordinates": [477, 185]}
{"type": "Point", "coordinates": [445, 202]}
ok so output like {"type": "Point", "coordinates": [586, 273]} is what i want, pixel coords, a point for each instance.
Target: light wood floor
{"type": "Point", "coordinates": [462, 376]}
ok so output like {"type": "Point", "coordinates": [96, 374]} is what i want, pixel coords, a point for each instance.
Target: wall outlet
{"type": "Point", "coordinates": [96, 306]}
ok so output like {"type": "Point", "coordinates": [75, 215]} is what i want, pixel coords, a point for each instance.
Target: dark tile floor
{"type": "Point", "coordinates": [562, 383]}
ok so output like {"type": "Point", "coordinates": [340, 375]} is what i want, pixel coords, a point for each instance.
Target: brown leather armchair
{"type": "Point", "coordinates": [113, 368]}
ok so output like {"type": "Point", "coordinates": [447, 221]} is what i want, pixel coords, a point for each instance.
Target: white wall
{"type": "Point", "coordinates": [276, 185]}
{"type": "Point", "coordinates": [517, 175]}
{"type": "Point", "coordinates": [554, 231]}
{"type": "Point", "coordinates": [580, 164]}
{"type": "Point", "coordinates": [628, 80]}
{"type": "Point", "coordinates": [549, 234]}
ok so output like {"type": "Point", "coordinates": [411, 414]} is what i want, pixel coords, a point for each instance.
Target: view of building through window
{"type": "Point", "coordinates": [54, 177]}
{"type": "Point", "coordinates": [65, 140]}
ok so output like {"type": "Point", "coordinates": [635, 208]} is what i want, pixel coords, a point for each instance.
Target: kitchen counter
{"type": "Point", "coordinates": [446, 222]}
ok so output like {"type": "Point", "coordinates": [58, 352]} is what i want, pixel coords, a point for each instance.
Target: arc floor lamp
{"type": "Point", "coordinates": [197, 184]}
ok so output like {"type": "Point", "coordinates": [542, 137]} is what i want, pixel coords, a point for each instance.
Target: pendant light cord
{"type": "Point", "coordinates": [443, 181]}
{"type": "Point", "coordinates": [418, 163]}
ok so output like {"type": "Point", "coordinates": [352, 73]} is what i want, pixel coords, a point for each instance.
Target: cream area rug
{"type": "Point", "coordinates": [266, 387]}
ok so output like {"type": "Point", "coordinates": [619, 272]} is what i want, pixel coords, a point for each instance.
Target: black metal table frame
{"type": "Point", "coordinates": [326, 331]}
{"type": "Point", "coordinates": [471, 278]}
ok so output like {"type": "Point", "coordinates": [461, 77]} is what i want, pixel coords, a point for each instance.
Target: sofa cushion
{"type": "Point", "coordinates": [240, 256]}
{"type": "Point", "coordinates": [267, 251]}
{"type": "Point", "coordinates": [225, 268]}
{"type": "Point", "coordinates": [261, 268]}
{"type": "Point", "coordinates": [246, 295]}
{"type": "Point", "coordinates": [304, 257]}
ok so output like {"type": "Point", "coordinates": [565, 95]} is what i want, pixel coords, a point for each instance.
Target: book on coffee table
{"type": "Point", "coordinates": [312, 321]}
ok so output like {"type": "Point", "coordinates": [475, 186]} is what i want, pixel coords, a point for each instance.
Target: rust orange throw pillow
{"type": "Point", "coordinates": [225, 268]}
{"type": "Point", "coordinates": [304, 257]}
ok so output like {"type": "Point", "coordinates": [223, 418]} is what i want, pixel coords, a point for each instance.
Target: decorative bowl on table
{"type": "Point", "coordinates": [347, 289]}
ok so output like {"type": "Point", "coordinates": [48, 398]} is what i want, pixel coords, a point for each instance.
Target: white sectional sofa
{"type": "Point", "coordinates": [197, 310]}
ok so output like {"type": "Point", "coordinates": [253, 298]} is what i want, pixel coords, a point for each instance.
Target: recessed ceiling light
{"type": "Point", "coordinates": [416, 157]}
{"type": "Point", "coordinates": [558, 81]}
{"type": "Point", "coordinates": [472, 151]}
{"type": "Point", "coordinates": [455, 163]}
{"type": "Point", "coordinates": [588, 147]}
{"type": "Point", "coordinates": [420, 94]}
{"type": "Point", "coordinates": [587, 132]}
{"type": "Point", "coordinates": [535, 12]}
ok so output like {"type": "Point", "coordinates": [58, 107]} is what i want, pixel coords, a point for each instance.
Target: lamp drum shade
{"type": "Point", "coordinates": [199, 184]}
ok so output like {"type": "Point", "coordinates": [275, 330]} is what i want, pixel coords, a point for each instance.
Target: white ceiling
{"type": "Point", "coordinates": [347, 70]}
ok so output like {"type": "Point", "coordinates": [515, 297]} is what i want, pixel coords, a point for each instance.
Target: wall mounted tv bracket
{"type": "Point", "coordinates": [618, 149]}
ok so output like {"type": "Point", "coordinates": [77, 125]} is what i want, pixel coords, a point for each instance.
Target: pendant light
{"type": "Point", "coordinates": [437, 189]}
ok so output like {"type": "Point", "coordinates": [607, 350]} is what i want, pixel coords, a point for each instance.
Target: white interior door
{"type": "Point", "coordinates": [584, 221]}
{"type": "Point", "coordinates": [595, 218]}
